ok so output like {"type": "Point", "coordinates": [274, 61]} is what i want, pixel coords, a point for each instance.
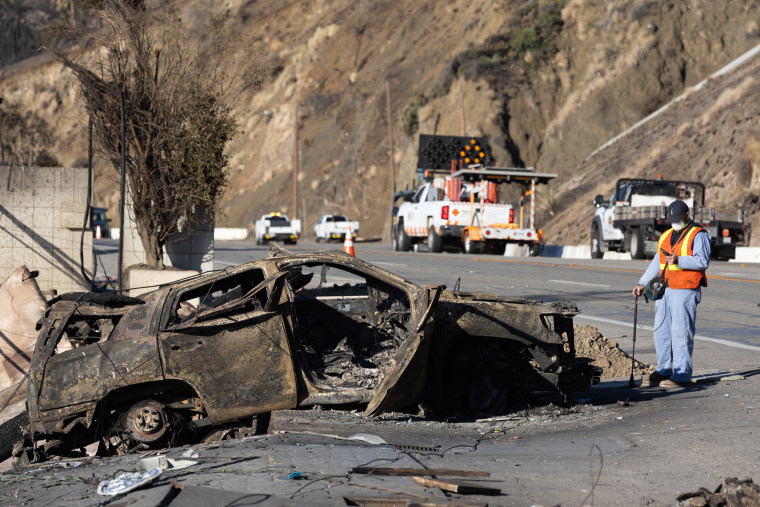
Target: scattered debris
{"type": "Point", "coordinates": [165, 463]}
{"type": "Point", "coordinates": [399, 501]}
{"type": "Point", "coordinates": [463, 488]}
{"type": "Point", "coordinates": [731, 377]}
{"type": "Point", "coordinates": [127, 482]}
{"type": "Point", "coordinates": [732, 493]}
{"type": "Point", "coordinates": [21, 306]}
{"type": "Point", "coordinates": [418, 472]}
{"type": "Point", "coordinates": [606, 354]}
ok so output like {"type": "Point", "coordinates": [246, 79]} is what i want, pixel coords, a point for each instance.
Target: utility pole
{"type": "Point", "coordinates": [295, 152]}
{"type": "Point", "coordinates": [121, 200]}
{"type": "Point", "coordinates": [2, 148]}
{"type": "Point", "coordinates": [461, 107]}
{"type": "Point", "coordinates": [390, 134]}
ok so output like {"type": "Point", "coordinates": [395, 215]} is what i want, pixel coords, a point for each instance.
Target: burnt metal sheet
{"type": "Point", "coordinates": [88, 373]}
{"type": "Point", "coordinates": [404, 383]}
{"type": "Point", "coordinates": [238, 365]}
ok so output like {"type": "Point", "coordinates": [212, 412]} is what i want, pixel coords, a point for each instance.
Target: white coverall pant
{"type": "Point", "coordinates": [674, 327]}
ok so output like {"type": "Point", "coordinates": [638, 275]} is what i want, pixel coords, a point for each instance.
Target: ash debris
{"type": "Point", "coordinates": [732, 493]}
{"type": "Point", "coordinates": [606, 354]}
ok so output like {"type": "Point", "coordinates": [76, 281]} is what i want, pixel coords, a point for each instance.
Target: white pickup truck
{"type": "Point", "coordinates": [463, 211]}
{"type": "Point", "coordinates": [334, 227]}
{"type": "Point", "coordinates": [277, 227]}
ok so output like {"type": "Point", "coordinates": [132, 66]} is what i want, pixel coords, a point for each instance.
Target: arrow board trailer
{"type": "Point", "coordinates": [469, 209]}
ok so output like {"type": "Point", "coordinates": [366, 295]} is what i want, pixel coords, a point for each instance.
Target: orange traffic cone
{"type": "Point", "coordinates": [348, 244]}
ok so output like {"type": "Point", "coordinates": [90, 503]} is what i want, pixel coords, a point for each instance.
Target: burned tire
{"type": "Point", "coordinates": [637, 244]}
{"type": "Point", "coordinates": [404, 241]}
{"type": "Point", "coordinates": [434, 241]}
{"type": "Point", "coordinates": [596, 246]}
{"type": "Point", "coordinates": [147, 422]}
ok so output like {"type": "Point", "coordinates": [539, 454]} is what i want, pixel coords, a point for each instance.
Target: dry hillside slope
{"type": "Point", "coordinates": [547, 81]}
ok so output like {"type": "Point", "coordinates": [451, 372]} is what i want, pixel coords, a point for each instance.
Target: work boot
{"type": "Point", "coordinates": [669, 384]}
{"type": "Point", "coordinates": [652, 379]}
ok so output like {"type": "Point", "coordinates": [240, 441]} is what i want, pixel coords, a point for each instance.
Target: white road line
{"type": "Point", "coordinates": [391, 264]}
{"type": "Point", "coordinates": [579, 283]}
{"type": "Point", "coordinates": [719, 341]}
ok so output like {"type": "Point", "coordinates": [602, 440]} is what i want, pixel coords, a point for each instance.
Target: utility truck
{"type": "Point", "coordinates": [467, 209]}
{"type": "Point", "coordinates": [277, 227]}
{"type": "Point", "coordinates": [335, 227]}
{"type": "Point", "coordinates": [635, 217]}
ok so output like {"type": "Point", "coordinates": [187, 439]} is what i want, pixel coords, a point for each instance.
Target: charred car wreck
{"type": "Point", "coordinates": [288, 331]}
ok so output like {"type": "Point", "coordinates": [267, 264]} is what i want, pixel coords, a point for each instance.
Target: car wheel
{"type": "Point", "coordinates": [317, 239]}
{"type": "Point", "coordinates": [434, 241]}
{"type": "Point", "coordinates": [404, 241]}
{"type": "Point", "coordinates": [147, 422]}
{"type": "Point", "coordinates": [596, 247]}
{"type": "Point", "coordinates": [637, 244]}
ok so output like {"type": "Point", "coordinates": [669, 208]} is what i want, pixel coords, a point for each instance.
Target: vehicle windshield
{"type": "Point", "coordinates": [337, 218]}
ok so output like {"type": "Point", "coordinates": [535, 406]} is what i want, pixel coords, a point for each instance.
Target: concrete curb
{"type": "Point", "coordinates": [746, 254]}
{"type": "Point", "coordinates": [220, 233]}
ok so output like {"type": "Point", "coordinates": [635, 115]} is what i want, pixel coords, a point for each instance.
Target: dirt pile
{"type": "Point", "coordinates": [606, 354]}
{"type": "Point", "coordinates": [732, 493]}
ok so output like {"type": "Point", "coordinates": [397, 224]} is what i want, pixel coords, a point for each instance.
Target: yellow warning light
{"type": "Point", "coordinates": [461, 153]}
{"type": "Point", "coordinates": [472, 141]}
{"type": "Point", "coordinates": [467, 147]}
{"type": "Point", "coordinates": [467, 160]}
{"type": "Point", "coordinates": [477, 160]}
{"type": "Point", "coordinates": [477, 148]}
{"type": "Point", "coordinates": [482, 155]}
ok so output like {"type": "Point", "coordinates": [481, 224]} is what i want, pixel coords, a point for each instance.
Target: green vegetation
{"type": "Point", "coordinates": [411, 121]}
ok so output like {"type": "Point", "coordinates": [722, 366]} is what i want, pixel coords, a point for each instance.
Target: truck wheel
{"type": "Point", "coordinates": [596, 246]}
{"type": "Point", "coordinates": [434, 241]}
{"type": "Point", "coordinates": [535, 249]}
{"type": "Point", "coordinates": [404, 241]}
{"type": "Point", "coordinates": [470, 246]}
{"type": "Point", "coordinates": [637, 244]}
{"type": "Point", "coordinates": [317, 239]}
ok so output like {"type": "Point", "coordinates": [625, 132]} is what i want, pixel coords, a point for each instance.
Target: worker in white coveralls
{"type": "Point", "coordinates": [683, 255]}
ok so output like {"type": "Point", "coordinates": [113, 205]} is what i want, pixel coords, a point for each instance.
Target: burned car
{"type": "Point", "coordinates": [284, 332]}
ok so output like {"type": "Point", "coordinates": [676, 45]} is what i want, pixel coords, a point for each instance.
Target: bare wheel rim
{"type": "Point", "coordinates": [146, 421]}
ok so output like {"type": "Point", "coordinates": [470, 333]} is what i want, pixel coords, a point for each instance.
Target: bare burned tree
{"type": "Point", "coordinates": [179, 87]}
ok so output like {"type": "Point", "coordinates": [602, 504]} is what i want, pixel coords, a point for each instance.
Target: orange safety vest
{"type": "Point", "coordinates": [678, 278]}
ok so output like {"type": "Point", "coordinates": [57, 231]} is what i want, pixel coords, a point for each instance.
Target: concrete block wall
{"type": "Point", "coordinates": [42, 210]}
